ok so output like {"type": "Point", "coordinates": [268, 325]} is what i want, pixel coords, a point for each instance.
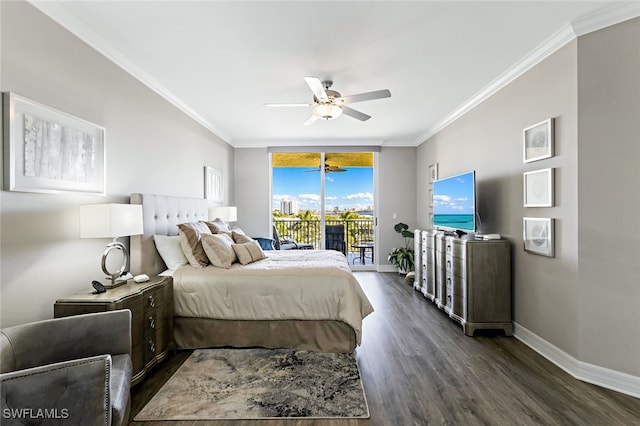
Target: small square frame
{"type": "Point", "coordinates": [433, 172]}
{"type": "Point", "coordinates": [538, 188]}
{"type": "Point", "coordinates": [537, 141]}
{"type": "Point", "coordinates": [538, 235]}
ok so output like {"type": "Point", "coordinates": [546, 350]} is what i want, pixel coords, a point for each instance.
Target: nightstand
{"type": "Point", "coordinates": [151, 306]}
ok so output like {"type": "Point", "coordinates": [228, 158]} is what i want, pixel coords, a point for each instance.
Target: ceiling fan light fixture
{"type": "Point", "coordinates": [327, 111]}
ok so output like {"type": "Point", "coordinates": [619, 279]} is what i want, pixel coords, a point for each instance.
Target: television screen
{"type": "Point", "coordinates": [454, 202]}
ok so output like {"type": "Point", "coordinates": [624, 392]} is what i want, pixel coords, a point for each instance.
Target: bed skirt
{"type": "Point", "coordinates": [322, 336]}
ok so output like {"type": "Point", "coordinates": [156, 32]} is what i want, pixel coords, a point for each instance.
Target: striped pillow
{"type": "Point", "coordinates": [190, 241]}
{"type": "Point", "coordinates": [219, 250]}
{"type": "Point", "coordinates": [249, 252]}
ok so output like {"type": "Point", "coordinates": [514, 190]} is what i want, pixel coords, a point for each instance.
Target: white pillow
{"type": "Point", "coordinates": [170, 251]}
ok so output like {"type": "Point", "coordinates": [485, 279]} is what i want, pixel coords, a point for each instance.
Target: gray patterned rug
{"type": "Point", "coordinates": [260, 384]}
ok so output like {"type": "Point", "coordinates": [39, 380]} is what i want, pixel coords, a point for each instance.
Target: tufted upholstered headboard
{"type": "Point", "coordinates": [161, 215]}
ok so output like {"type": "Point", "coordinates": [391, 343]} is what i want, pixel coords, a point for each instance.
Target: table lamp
{"type": "Point", "coordinates": [111, 221]}
{"type": "Point", "coordinates": [226, 214]}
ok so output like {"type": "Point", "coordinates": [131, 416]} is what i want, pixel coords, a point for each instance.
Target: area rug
{"type": "Point", "coordinates": [253, 383]}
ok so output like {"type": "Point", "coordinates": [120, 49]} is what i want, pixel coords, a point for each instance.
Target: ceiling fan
{"type": "Point", "coordinates": [329, 104]}
{"type": "Point", "coordinates": [328, 168]}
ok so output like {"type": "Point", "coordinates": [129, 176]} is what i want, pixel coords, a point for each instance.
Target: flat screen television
{"type": "Point", "coordinates": [454, 203]}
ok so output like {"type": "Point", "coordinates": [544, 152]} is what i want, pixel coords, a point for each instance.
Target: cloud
{"type": "Point", "coordinates": [309, 198]}
{"type": "Point", "coordinates": [445, 201]}
{"type": "Point", "coordinates": [283, 197]}
{"type": "Point", "coordinates": [359, 196]}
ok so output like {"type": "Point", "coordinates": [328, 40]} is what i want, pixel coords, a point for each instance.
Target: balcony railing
{"type": "Point", "coordinates": [308, 230]}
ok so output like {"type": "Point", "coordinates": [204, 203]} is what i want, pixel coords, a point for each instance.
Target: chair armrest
{"type": "Point", "coordinates": [74, 391]}
{"type": "Point", "coordinates": [68, 338]}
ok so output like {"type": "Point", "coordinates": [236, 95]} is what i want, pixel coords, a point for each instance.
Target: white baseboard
{"type": "Point", "coordinates": [600, 376]}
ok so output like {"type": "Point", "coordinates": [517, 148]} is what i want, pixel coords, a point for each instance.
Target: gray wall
{"type": "Point", "coordinates": [585, 300]}
{"type": "Point", "coordinates": [151, 147]}
{"type": "Point", "coordinates": [252, 191]}
{"type": "Point", "coordinates": [609, 197]}
{"type": "Point", "coordinates": [394, 176]}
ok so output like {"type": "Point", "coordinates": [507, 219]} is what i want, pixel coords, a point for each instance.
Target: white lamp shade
{"type": "Point", "coordinates": [110, 220]}
{"type": "Point", "coordinates": [327, 111]}
{"type": "Point", "coordinates": [226, 213]}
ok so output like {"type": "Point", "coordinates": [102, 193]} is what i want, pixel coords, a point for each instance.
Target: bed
{"type": "Point", "coordinates": [301, 299]}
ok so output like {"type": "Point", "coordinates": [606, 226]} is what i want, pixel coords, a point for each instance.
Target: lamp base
{"type": "Point", "coordinates": [108, 284]}
{"type": "Point", "coordinates": [118, 277]}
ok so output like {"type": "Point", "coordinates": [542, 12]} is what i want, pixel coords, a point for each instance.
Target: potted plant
{"type": "Point", "coordinates": [403, 257]}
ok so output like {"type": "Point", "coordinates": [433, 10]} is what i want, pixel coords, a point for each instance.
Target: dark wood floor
{"type": "Point", "coordinates": [418, 368]}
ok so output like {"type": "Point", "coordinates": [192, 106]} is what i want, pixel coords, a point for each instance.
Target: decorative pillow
{"type": "Point", "coordinates": [170, 251]}
{"type": "Point", "coordinates": [190, 236]}
{"type": "Point", "coordinates": [217, 226]}
{"type": "Point", "coordinates": [249, 252]}
{"type": "Point", "coordinates": [239, 237]}
{"type": "Point", "coordinates": [219, 250]}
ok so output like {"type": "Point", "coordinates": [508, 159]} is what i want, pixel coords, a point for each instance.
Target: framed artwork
{"type": "Point", "coordinates": [538, 235]}
{"type": "Point", "coordinates": [538, 188]}
{"type": "Point", "coordinates": [433, 172]}
{"type": "Point", "coordinates": [213, 184]}
{"type": "Point", "coordinates": [50, 151]}
{"type": "Point", "coordinates": [538, 141]}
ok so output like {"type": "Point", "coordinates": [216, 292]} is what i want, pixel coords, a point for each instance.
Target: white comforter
{"type": "Point", "coordinates": [291, 284]}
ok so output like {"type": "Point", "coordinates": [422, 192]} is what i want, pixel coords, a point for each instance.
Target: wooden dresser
{"type": "Point", "coordinates": [468, 279]}
{"type": "Point", "coordinates": [151, 306]}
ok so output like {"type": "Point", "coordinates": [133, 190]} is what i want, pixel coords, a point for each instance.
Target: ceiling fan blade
{"type": "Point", "coordinates": [354, 113]}
{"type": "Point", "coordinates": [334, 169]}
{"type": "Point", "coordinates": [369, 96]}
{"type": "Point", "coordinates": [310, 120]}
{"type": "Point", "coordinates": [287, 105]}
{"type": "Point", "coordinates": [316, 87]}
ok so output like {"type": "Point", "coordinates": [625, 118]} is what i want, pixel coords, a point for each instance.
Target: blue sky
{"type": "Point", "coordinates": [454, 195]}
{"type": "Point", "coordinates": [346, 190]}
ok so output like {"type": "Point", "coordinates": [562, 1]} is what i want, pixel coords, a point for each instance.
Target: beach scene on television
{"type": "Point", "coordinates": [454, 202]}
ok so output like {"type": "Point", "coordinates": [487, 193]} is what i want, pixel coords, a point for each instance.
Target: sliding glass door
{"type": "Point", "coordinates": [326, 199]}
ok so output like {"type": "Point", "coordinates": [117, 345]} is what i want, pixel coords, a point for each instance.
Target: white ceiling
{"type": "Point", "coordinates": [220, 61]}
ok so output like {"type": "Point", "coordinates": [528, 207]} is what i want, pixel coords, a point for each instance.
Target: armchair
{"type": "Point", "coordinates": [73, 370]}
{"type": "Point", "coordinates": [334, 238]}
{"type": "Point", "coordinates": [288, 244]}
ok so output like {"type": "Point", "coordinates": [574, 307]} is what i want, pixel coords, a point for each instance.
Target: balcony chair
{"type": "Point", "coordinates": [288, 243]}
{"type": "Point", "coordinates": [76, 369]}
{"type": "Point", "coordinates": [334, 238]}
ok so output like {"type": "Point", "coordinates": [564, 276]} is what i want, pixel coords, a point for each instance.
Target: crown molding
{"type": "Point", "coordinates": [544, 50]}
{"type": "Point", "coordinates": [606, 16]}
{"type": "Point", "coordinates": [69, 21]}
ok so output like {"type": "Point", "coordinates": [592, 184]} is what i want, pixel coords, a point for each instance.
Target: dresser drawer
{"type": "Point", "coordinates": [458, 307]}
{"type": "Point", "coordinates": [137, 329]}
{"type": "Point", "coordinates": [455, 248]}
{"type": "Point", "coordinates": [152, 298]}
{"type": "Point", "coordinates": [457, 285]}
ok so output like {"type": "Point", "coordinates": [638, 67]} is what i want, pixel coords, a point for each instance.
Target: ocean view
{"type": "Point", "coordinates": [456, 221]}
